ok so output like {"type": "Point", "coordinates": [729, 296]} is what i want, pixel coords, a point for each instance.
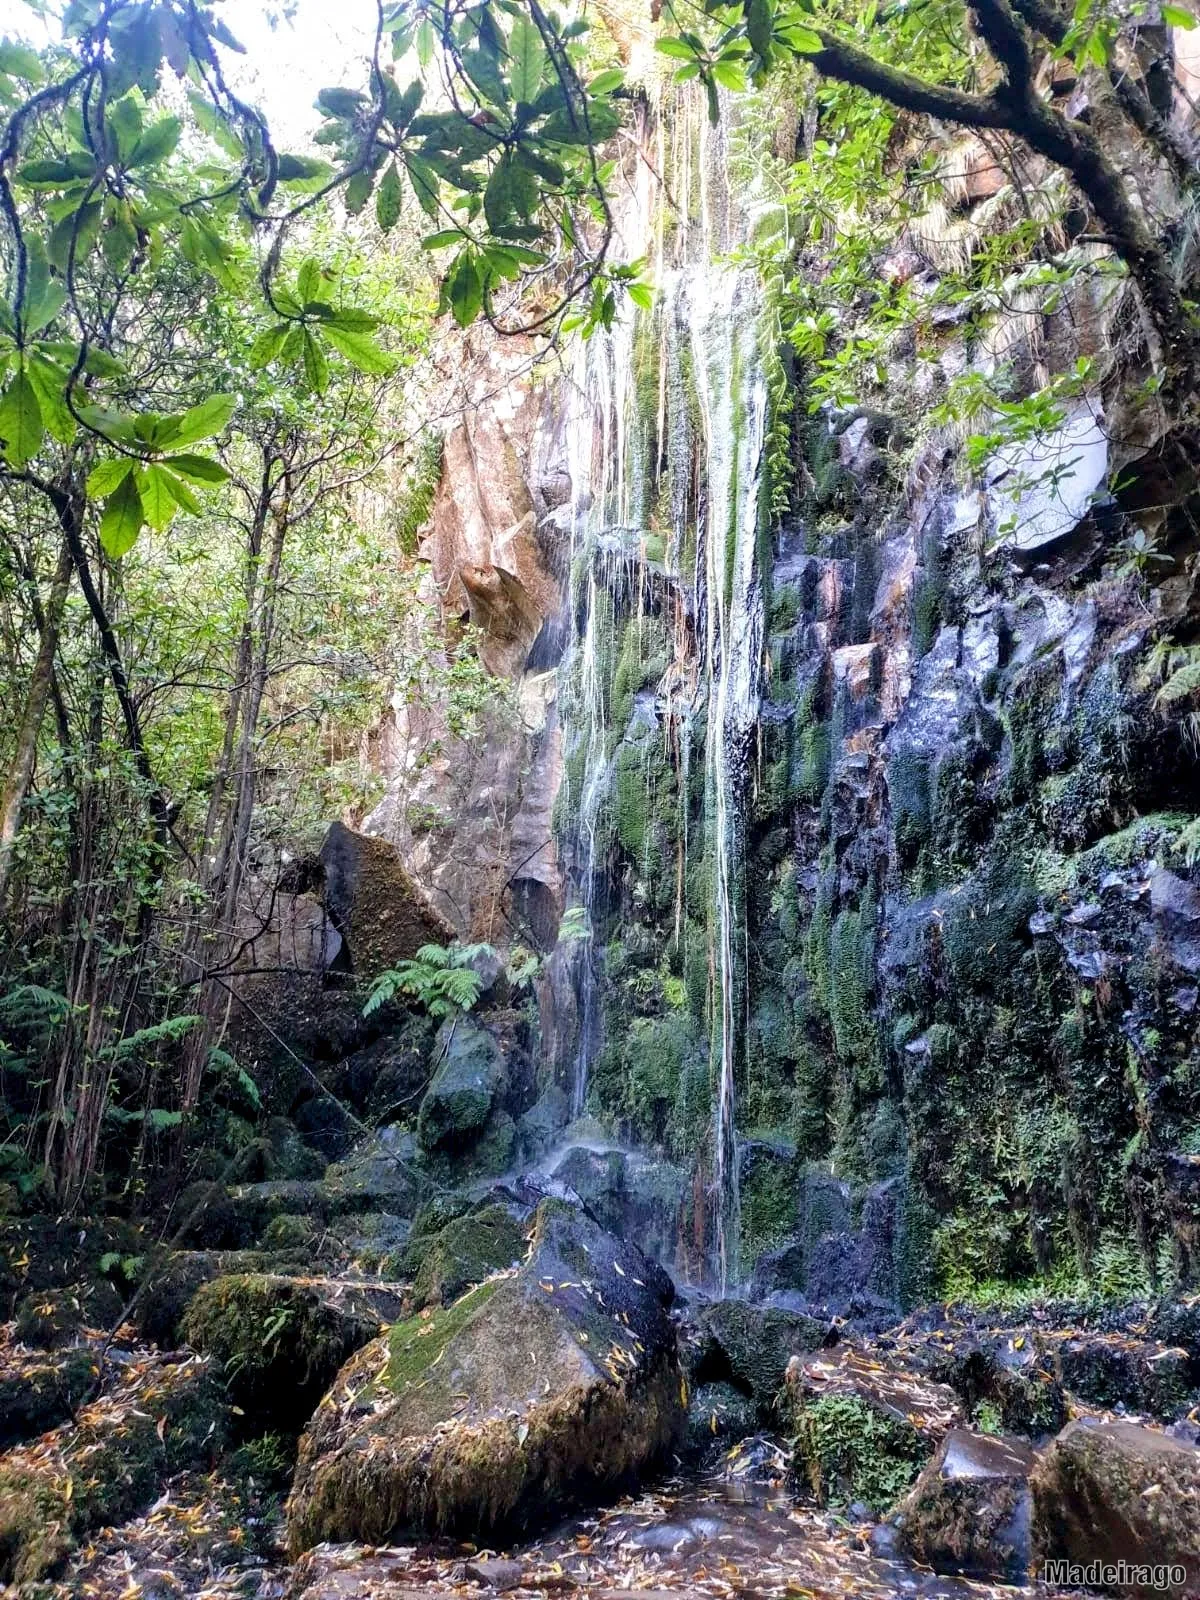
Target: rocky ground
{"type": "Point", "coordinates": [261, 1429]}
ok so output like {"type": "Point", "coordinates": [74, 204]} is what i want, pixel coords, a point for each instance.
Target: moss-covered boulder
{"type": "Point", "coordinates": [37, 1392]}
{"type": "Point", "coordinates": [39, 1253]}
{"type": "Point", "coordinates": [864, 1425]}
{"type": "Point", "coordinates": [469, 1078]}
{"type": "Point", "coordinates": [1001, 1374]}
{"type": "Point", "coordinates": [465, 1252]}
{"type": "Point", "coordinates": [279, 1341]}
{"type": "Point", "coordinates": [380, 1174]}
{"type": "Point", "coordinates": [756, 1343]}
{"type": "Point", "coordinates": [1116, 1369]}
{"type": "Point", "coordinates": [1115, 1492]}
{"type": "Point", "coordinates": [374, 904]}
{"type": "Point", "coordinates": [48, 1319]}
{"type": "Point", "coordinates": [539, 1389]}
{"type": "Point", "coordinates": [970, 1510]}
{"type": "Point", "coordinates": [108, 1465]}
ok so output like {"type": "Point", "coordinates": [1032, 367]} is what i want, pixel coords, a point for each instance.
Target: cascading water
{"type": "Point", "coordinates": [694, 358]}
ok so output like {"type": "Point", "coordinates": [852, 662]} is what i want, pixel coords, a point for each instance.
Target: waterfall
{"type": "Point", "coordinates": [689, 442]}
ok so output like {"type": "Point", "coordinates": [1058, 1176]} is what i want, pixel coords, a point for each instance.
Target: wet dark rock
{"type": "Point", "coordinates": [970, 1511]}
{"type": "Point", "coordinates": [469, 1078]}
{"type": "Point", "coordinates": [718, 1415]}
{"type": "Point", "coordinates": [465, 1252]}
{"type": "Point", "coordinates": [1114, 1369]}
{"type": "Point", "coordinates": [39, 1253]}
{"type": "Point", "coordinates": [539, 1127]}
{"type": "Point", "coordinates": [631, 1194]}
{"type": "Point", "coordinates": [381, 1174]}
{"type": "Point", "coordinates": [753, 1344]}
{"type": "Point", "coordinates": [494, 1573]}
{"type": "Point", "coordinates": [1116, 1492]}
{"type": "Point", "coordinates": [48, 1319]}
{"type": "Point", "coordinates": [534, 1391]}
{"type": "Point", "coordinates": [38, 1391]}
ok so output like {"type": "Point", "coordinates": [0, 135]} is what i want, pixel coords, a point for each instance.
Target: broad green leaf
{"type": "Point", "coordinates": [343, 104]}
{"type": "Point", "coordinates": [300, 169]}
{"type": "Point", "coordinates": [353, 320]}
{"type": "Point", "coordinates": [107, 476]}
{"type": "Point", "coordinates": [425, 184]}
{"type": "Point", "coordinates": [213, 123]}
{"type": "Point", "coordinates": [122, 519]}
{"type": "Point", "coordinates": [358, 191]}
{"type": "Point", "coordinates": [157, 143]}
{"type": "Point", "coordinates": [316, 366]}
{"type": "Point", "coordinates": [21, 425]}
{"type": "Point", "coordinates": [1177, 17]}
{"type": "Point", "coordinates": [527, 60]}
{"type": "Point", "coordinates": [199, 469]}
{"type": "Point", "coordinates": [607, 82]}
{"type": "Point", "coordinates": [360, 350]}
{"type": "Point", "coordinates": [387, 199]}
{"type": "Point", "coordinates": [42, 308]}
{"type": "Point", "coordinates": [676, 48]}
{"type": "Point", "coordinates": [760, 25]}
{"type": "Point", "coordinates": [204, 420]}
{"type": "Point", "coordinates": [269, 345]}
{"type": "Point", "coordinates": [803, 40]}
{"type": "Point", "coordinates": [308, 279]}
{"type": "Point", "coordinates": [119, 242]}
{"type": "Point", "coordinates": [464, 289]}
{"type": "Point", "coordinates": [49, 379]}
{"type": "Point", "coordinates": [19, 61]}
{"type": "Point", "coordinates": [184, 497]}
{"type": "Point", "coordinates": [480, 68]}
{"type": "Point", "coordinates": [158, 502]}
{"type": "Point", "coordinates": [444, 239]}
{"type": "Point", "coordinates": [79, 229]}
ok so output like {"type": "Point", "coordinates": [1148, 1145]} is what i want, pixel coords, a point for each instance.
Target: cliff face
{"type": "Point", "coordinates": [882, 811]}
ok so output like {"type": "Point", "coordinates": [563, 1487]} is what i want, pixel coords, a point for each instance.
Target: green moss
{"type": "Point", "coordinates": [770, 1206]}
{"type": "Point", "coordinates": [464, 1253]}
{"type": "Point", "coordinates": [280, 1344]}
{"type": "Point", "coordinates": [416, 1345]}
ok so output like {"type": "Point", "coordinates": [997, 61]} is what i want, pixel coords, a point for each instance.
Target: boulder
{"type": "Point", "coordinates": [465, 1252]}
{"type": "Point", "coordinates": [865, 1423]}
{"type": "Point", "coordinates": [538, 1128]}
{"type": "Point", "coordinates": [380, 1174]}
{"type": "Point", "coordinates": [970, 1511]}
{"type": "Point", "coordinates": [280, 1341]}
{"type": "Point", "coordinates": [1116, 1492]}
{"type": "Point", "coordinates": [106, 1466]}
{"type": "Point", "coordinates": [37, 1392]}
{"type": "Point", "coordinates": [719, 1415]}
{"type": "Point", "coordinates": [1004, 1369]}
{"type": "Point", "coordinates": [469, 1078]}
{"type": "Point", "coordinates": [1114, 1369]}
{"type": "Point", "coordinates": [375, 905]}
{"type": "Point", "coordinates": [538, 1389]}
{"type": "Point", "coordinates": [48, 1319]}
{"type": "Point", "coordinates": [757, 1343]}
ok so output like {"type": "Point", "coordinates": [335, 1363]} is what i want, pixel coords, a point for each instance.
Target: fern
{"type": "Point", "coordinates": [168, 1032]}
{"type": "Point", "coordinates": [440, 978]}
{"type": "Point", "coordinates": [30, 1002]}
{"type": "Point", "coordinates": [1183, 683]}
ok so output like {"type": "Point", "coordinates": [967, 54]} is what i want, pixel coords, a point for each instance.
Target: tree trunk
{"type": "Point", "coordinates": [21, 769]}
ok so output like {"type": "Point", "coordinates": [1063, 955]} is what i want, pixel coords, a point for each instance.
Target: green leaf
{"type": "Point", "coordinates": [199, 469]}
{"type": "Point", "coordinates": [184, 497]}
{"type": "Point", "coordinates": [425, 184]}
{"type": "Point", "coordinates": [607, 82]}
{"type": "Point", "coordinates": [269, 344]}
{"type": "Point", "coordinates": [19, 61]}
{"type": "Point", "coordinates": [316, 366]}
{"type": "Point", "coordinates": [107, 476]}
{"type": "Point", "coordinates": [676, 49]}
{"type": "Point", "coordinates": [158, 502]}
{"type": "Point", "coordinates": [527, 60]}
{"type": "Point", "coordinates": [352, 320]}
{"type": "Point", "coordinates": [157, 143]}
{"type": "Point", "coordinates": [119, 243]}
{"type": "Point", "coordinates": [803, 40]}
{"type": "Point", "coordinates": [1177, 17]}
{"type": "Point", "coordinates": [79, 227]}
{"type": "Point", "coordinates": [301, 169]}
{"type": "Point", "coordinates": [204, 420]}
{"type": "Point", "coordinates": [308, 280]}
{"type": "Point", "coordinates": [49, 379]}
{"type": "Point", "coordinates": [122, 519]}
{"type": "Point", "coordinates": [21, 425]}
{"type": "Point", "coordinates": [387, 199]}
{"type": "Point", "coordinates": [481, 69]}
{"type": "Point", "coordinates": [444, 239]}
{"type": "Point", "coordinates": [42, 307]}
{"type": "Point", "coordinates": [361, 351]}
{"type": "Point", "coordinates": [760, 25]}
{"type": "Point", "coordinates": [464, 289]}
{"type": "Point", "coordinates": [358, 192]}
{"type": "Point", "coordinates": [342, 104]}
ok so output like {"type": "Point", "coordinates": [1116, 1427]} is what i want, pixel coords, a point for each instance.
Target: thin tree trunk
{"type": "Point", "coordinates": [21, 769]}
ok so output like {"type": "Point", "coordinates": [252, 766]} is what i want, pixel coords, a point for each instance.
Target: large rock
{"type": "Point", "coordinates": [864, 1424]}
{"type": "Point", "coordinates": [970, 1511]}
{"type": "Point", "coordinates": [382, 916]}
{"type": "Point", "coordinates": [470, 1076]}
{"type": "Point", "coordinates": [463, 1253]}
{"type": "Point", "coordinates": [37, 1392]}
{"type": "Point", "coordinates": [280, 1341]}
{"type": "Point", "coordinates": [756, 1343]}
{"type": "Point", "coordinates": [380, 1174]}
{"type": "Point", "coordinates": [1115, 1492]}
{"type": "Point", "coordinates": [166, 1417]}
{"type": "Point", "coordinates": [538, 1389]}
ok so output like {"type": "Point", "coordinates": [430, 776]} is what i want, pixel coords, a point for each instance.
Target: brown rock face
{"type": "Point", "coordinates": [381, 914]}
{"type": "Point", "coordinates": [1120, 1493]}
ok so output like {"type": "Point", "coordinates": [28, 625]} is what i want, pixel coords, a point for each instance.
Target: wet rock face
{"type": "Point", "coordinates": [535, 1391]}
{"type": "Point", "coordinates": [970, 1511]}
{"type": "Point", "coordinates": [470, 1075]}
{"type": "Point", "coordinates": [1115, 1492]}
